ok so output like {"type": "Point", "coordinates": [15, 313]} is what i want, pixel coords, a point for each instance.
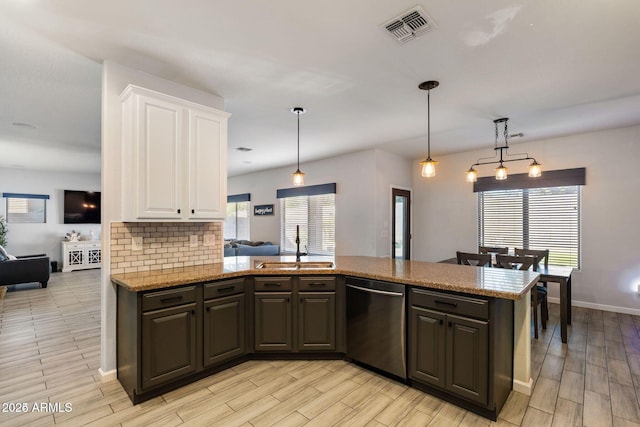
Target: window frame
{"type": "Point", "coordinates": [236, 200]}
{"type": "Point", "coordinates": [526, 206]}
{"type": "Point", "coordinates": [28, 198]}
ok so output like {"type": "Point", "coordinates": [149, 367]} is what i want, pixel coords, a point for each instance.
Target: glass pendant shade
{"type": "Point", "coordinates": [535, 169]}
{"type": "Point", "coordinates": [429, 168]}
{"type": "Point", "coordinates": [501, 172]}
{"type": "Point", "coordinates": [472, 175]}
{"type": "Point", "coordinates": [298, 178]}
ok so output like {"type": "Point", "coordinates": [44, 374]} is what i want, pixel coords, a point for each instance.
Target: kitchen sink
{"type": "Point", "coordinates": [295, 265]}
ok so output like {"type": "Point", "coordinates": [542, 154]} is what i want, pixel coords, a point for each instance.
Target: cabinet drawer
{"type": "Point", "coordinates": [462, 305]}
{"type": "Point", "coordinates": [317, 283]}
{"type": "Point", "coordinates": [224, 288]}
{"type": "Point", "coordinates": [168, 298]}
{"type": "Point", "coordinates": [273, 283]}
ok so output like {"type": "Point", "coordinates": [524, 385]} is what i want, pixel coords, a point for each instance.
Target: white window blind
{"type": "Point", "coordinates": [237, 224]}
{"type": "Point", "coordinates": [533, 218]}
{"type": "Point", "coordinates": [316, 217]}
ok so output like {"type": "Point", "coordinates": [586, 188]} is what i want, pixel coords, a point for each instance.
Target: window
{"type": "Point", "coordinates": [236, 226]}
{"type": "Point", "coordinates": [26, 208]}
{"type": "Point", "coordinates": [533, 218]}
{"type": "Point", "coordinates": [314, 214]}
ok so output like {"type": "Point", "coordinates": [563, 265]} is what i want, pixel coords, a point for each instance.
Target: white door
{"type": "Point", "coordinates": [160, 127]}
{"type": "Point", "coordinates": [207, 165]}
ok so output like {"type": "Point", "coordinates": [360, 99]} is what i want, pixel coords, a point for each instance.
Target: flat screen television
{"type": "Point", "coordinates": [81, 207]}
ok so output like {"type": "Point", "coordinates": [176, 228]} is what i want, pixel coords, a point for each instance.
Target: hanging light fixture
{"type": "Point", "coordinates": [428, 164]}
{"type": "Point", "coordinates": [298, 176]}
{"type": "Point", "coordinates": [535, 168]}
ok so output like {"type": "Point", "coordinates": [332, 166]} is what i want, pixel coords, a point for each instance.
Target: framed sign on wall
{"type": "Point", "coordinates": [262, 210]}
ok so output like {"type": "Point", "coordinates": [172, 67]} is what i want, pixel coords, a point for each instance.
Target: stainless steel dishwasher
{"type": "Point", "coordinates": [376, 325]}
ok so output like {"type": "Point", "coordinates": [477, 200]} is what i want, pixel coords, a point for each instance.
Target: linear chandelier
{"type": "Point", "coordinates": [535, 168]}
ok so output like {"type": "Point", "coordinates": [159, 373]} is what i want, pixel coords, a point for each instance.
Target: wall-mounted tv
{"type": "Point", "coordinates": [81, 207]}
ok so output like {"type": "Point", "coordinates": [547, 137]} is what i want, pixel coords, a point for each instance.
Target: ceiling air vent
{"type": "Point", "coordinates": [409, 25]}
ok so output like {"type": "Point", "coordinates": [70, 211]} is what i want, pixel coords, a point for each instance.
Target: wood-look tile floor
{"type": "Point", "coordinates": [50, 352]}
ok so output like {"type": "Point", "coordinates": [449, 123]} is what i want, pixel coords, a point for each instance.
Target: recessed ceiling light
{"type": "Point", "coordinates": [245, 149]}
{"type": "Point", "coordinates": [24, 125]}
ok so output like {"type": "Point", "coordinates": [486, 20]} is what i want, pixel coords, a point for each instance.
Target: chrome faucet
{"type": "Point", "coordinates": [298, 253]}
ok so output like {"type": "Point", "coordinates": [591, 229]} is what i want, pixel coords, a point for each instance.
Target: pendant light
{"type": "Point", "coordinates": [428, 164]}
{"type": "Point", "coordinates": [535, 168]}
{"type": "Point", "coordinates": [298, 176]}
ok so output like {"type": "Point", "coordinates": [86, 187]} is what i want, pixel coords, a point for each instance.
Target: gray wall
{"type": "Point", "coordinates": [363, 200]}
{"type": "Point", "coordinates": [26, 239]}
{"type": "Point", "coordinates": [610, 264]}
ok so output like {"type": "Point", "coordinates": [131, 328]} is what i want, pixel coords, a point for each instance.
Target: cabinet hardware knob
{"type": "Point", "coordinates": [178, 210]}
{"type": "Point", "coordinates": [228, 288]}
{"type": "Point", "coordinates": [441, 321]}
{"type": "Point", "coordinates": [208, 308]}
{"type": "Point", "coordinates": [193, 312]}
{"type": "Point", "coordinates": [193, 211]}
{"type": "Point", "coordinates": [450, 324]}
{"type": "Point", "coordinates": [287, 299]}
{"type": "Point", "coordinates": [301, 300]}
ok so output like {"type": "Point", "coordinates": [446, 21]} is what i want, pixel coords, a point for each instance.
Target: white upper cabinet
{"type": "Point", "coordinates": [174, 155]}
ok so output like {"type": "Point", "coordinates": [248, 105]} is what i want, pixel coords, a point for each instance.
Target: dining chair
{"type": "Point", "coordinates": [542, 256]}
{"type": "Point", "coordinates": [493, 250]}
{"type": "Point", "coordinates": [478, 260]}
{"type": "Point", "coordinates": [538, 293]}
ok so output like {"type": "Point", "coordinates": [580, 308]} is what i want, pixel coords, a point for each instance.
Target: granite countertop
{"type": "Point", "coordinates": [493, 282]}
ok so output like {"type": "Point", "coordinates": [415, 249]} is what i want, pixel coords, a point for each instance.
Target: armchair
{"type": "Point", "coordinates": [25, 269]}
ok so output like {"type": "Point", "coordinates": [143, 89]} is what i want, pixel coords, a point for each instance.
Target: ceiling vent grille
{"type": "Point", "coordinates": [409, 25]}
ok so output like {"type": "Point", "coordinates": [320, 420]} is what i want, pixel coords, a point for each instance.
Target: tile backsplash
{"type": "Point", "coordinates": [164, 245]}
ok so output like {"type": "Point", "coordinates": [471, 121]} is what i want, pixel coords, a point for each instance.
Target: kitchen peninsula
{"type": "Point", "coordinates": [178, 325]}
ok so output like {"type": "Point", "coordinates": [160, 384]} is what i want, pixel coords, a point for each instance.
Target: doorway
{"type": "Point", "coordinates": [401, 220]}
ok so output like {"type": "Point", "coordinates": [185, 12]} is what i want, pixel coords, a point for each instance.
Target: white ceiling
{"type": "Point", "coordinates": [553, 67]}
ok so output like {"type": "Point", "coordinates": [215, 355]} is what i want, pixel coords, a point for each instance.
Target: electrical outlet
{"type": "Point", "coordinates": [209, 240]}
{"type": "Point", "coordinates": [136, 243]}
{"type": "Point", "coordinates": [193, 241]}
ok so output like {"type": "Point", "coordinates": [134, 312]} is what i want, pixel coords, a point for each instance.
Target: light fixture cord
{"type": "Point", "coordinates": [429, 124]}
{"type": "Point", "coordinates": [298, 113]}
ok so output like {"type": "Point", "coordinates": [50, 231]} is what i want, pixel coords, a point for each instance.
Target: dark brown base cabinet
{"type": "Point", "coordinates": [459, 347]}
{"type": "Point", "coordinates": [224, 331]}
{"type": "Point", "coordinates": [463, 347]}
{"type": "Point", "coordinates": [285, 305]}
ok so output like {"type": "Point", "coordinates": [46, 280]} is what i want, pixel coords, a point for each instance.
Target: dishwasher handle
{"type": "Point", "coordinates": [376, 291]}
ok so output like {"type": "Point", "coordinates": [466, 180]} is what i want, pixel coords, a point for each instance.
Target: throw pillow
{"type": "Point", "coordinates": [4, 253]}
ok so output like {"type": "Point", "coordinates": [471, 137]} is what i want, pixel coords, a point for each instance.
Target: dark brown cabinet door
{"type": "Point", "coordinates": [427, 357]}
{"type": "Point", "coordinates": [317, 321]}
{"type": "Point", "coordinates": [224, 331]}
{"type": "Point", "coordinates": [168, 344]}
{"type": "Point", "coordinates": [467, 357]}
{"type": "Point", "coordinates": [273, 330]}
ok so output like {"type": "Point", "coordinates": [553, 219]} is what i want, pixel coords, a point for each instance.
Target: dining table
{"type": "Point", "coordinates": [560, 274]}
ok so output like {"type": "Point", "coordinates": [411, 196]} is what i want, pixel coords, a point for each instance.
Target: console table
{"type": "Point", "coordinates": [81, 255]}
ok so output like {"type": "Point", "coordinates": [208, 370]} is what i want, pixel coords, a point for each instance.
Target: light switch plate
{"type": "Point", "coordinates": [209, 240]}
{"type": "Point", "coordinates": [193, 241]}
{"type": "Point", "coordinates": [136, 243]}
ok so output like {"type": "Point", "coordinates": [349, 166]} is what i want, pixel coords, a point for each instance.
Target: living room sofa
{"type": "Point", "coordinates": [249, 248]}
{"type": "Point", "coordinates": [25, 269]}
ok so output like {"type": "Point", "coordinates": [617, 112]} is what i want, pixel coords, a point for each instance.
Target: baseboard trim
{"type": "Point", "coordinates": [522, 387]}
{"type": "Point", "coordinates": [603, 307]}
{"type": "Point", "coordinates": [111, 375]}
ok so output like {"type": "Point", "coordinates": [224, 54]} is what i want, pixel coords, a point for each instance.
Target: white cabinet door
{"type": "Point", "coordinates": [160, 157]}
{"type": "Point", "coordinates": [207, 165]}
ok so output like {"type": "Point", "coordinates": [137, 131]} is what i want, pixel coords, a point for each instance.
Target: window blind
{"type": "Point", "coordinates": [533, 218]}
{"type": "Point", "coordinates": [315, 215]}
{"type": "Point", "coordinates": [237, 223]}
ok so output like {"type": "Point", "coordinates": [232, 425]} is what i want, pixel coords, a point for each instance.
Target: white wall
{"type": "Point", "coordinates": [26, 239]}
{"type": "Point", "coordinates": [610, 264]}
{"type": "Point", "coordinates": [361, 210]}
{"type": "Point", "coordinates": [115, 79]}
